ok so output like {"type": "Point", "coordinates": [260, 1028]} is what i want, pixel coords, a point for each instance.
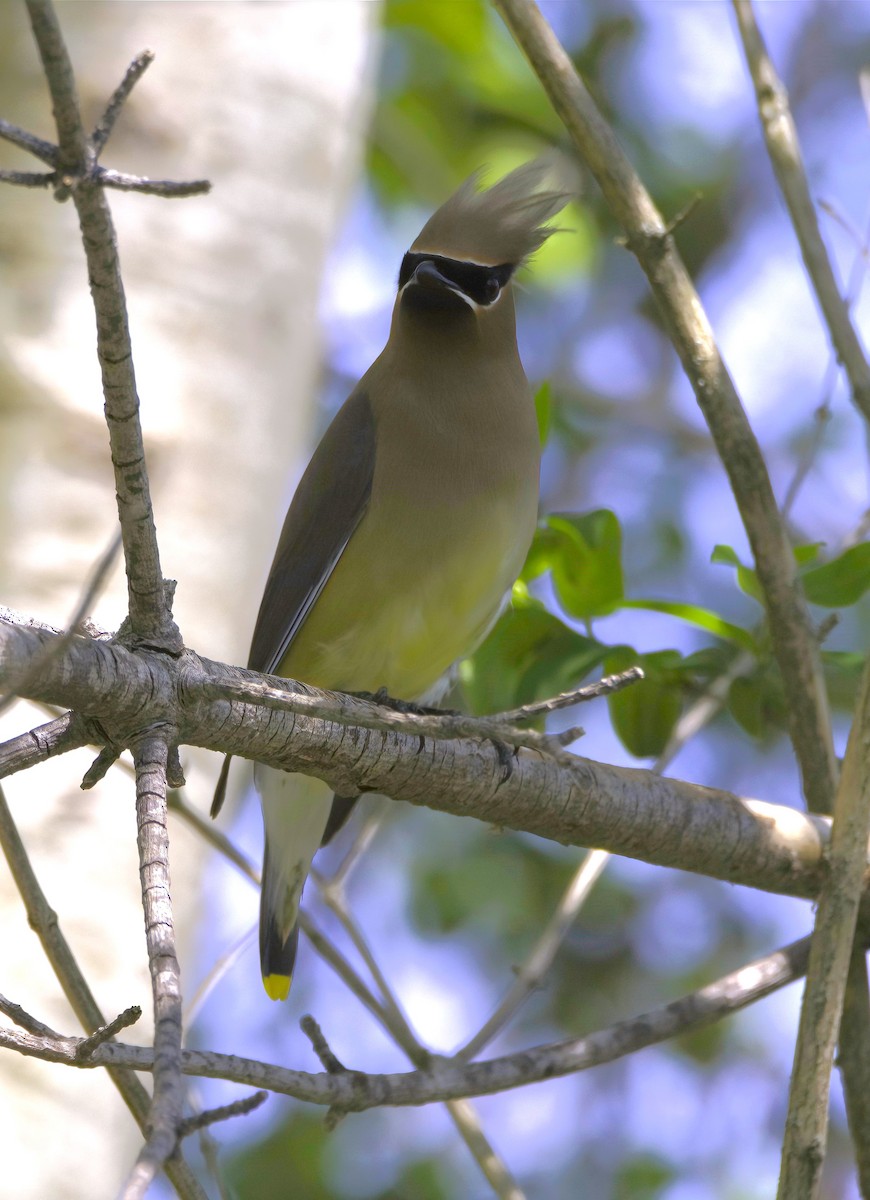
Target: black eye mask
{"type": "Point", "coordinates": [481, 284]}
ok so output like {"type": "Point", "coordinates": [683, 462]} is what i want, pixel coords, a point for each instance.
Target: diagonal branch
{"type": "Point", "coordinates": [783, 147]}
{"type": "Point", "coordinates": [445, 1079]}
{"type": "Point", "coordinates": [44, 922]}
{"type": "Point", "coordinates": [650, 239]}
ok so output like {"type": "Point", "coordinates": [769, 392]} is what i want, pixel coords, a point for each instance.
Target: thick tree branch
{"type": "Point", "coordinates": [625, 810]}
{"type": "Point", "coordinates": [803, 1151]}
{"type": "Point", "coordinates": [43, 920]}
{"type": "Point", "coordinates": [649, 238]}
{"type": "Point", "coordinates": [446, 1079]}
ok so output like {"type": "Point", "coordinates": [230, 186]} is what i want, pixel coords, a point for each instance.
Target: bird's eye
{"type": "Point", "coordinates": [491, 289]}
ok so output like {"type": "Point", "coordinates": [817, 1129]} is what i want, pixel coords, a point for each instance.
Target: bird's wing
{"type": "Point", "coordinates": [329, 503]}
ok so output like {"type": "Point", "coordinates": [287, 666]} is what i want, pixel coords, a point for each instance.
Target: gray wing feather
{"type": "Point", "coordinates": [329, 503]}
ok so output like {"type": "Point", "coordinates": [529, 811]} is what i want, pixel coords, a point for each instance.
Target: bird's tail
{"type": "Point", "coordinates": [295, 812]}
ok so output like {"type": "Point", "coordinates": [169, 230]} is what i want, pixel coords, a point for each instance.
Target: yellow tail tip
{"type": "Point", "coordinates": [277, 986]}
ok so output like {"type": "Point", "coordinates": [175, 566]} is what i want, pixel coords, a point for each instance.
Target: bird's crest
{"type": "Point", "coordinates": [503, 224]}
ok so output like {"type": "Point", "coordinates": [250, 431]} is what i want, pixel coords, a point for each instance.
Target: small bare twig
{"type": "Point", "coordinates": [89, 595]}
{"type": "Point", "coordinates": [531, 974]}
{"type": "Point", "coordinates": [169, 189]}
{"type": "Point", "coordinates": [25, 1021]}
{"type": "Point", "coordinates": [37, 146]}
{"type": "Point", "coordinates": [321, 1046]}
{"type": "Point", "coordinates": [106, 1033]}
{"type": "Point", "coordinates": [291, 696]}
{"type": "Point", "coordinates": [397, 1025]}
{"type": "Point", "coordinates": [106, 123]}
{"type": "Point", "coordinates": [28, 179]}
{"type": "Point", "coordinates": [590, 691]}
{"type": "Point", "coordinates": [226, 1112]}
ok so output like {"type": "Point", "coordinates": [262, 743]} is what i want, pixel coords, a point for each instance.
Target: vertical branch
{"type": "Point", "coordinates": [783, 147]}
{"type": "Point", "coordinates": [150, 757]}
{"type": "Point", "coordinates": [649, 238]}
{"type": "Point", "coordinates": [854, 1061]}
{"type": "Point", "coordinates": [150, 618]}
{"type": "Point", "coordinates": [803, 1151]}
{"type": "Point", "coordinates": [43, 920]}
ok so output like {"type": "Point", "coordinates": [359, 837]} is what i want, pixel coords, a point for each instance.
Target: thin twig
{"type": "Point", "coordinates": [461, 1112]}
{"type": "Point", "coordinates": [226, 1112]}
{"type": "Point", "coordinates": [647, 237]}
{"type": "Point", "coordinates": [88, 598]}
{"type": "Point", "coordinates": [106, 1033]}
{"type": "Point", "coordinates": [43, 920]}
{"type": "Point", "coordinates": [45, 151]}
{"type": "Point", "coordinates": [24, 1020]}
{"type": "Point", "coordinates": [590, 691]}
{"type": "Point", "coordinates": [106, 123]}
{"type": "Point", "coordinates": [321, 1046]}
{"type": "Point", "coordinates": [150, 755]}
{"type": "Point", "coordinates": [444, 1079]}
{"type": "Point", "coordinates": [783, 146]}
{"type": "Point", "coordinates": [169, 189]}
{"type": "Point", "coordinates": [531, 974]}
{"type": "Point", "coordinates": [150, 619]}
{"type": "Point", "coordinates": [28, 179]}
{"type": "Point", "coordinates": [293, 697]}
{"type": "Point", "coordinates": [803, 1152]}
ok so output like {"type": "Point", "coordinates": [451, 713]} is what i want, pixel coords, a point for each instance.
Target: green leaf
{"type": "Point", "coordinates": [461, 28]}
{"type": "Point", "coordinates": [841, 582]}
{"type": "Point", "coordinates": [703, 618]}
{"type": "Point", "coordinates": [747, 579]}
{"type": "Point", "coordinates": [843, 670]}
{"type": "Point", "coordinates": [645, 714]}
{"type": "Point", "coordinates": [584, 554]}
{"type": "Point", "coordinates": [529, 655]}
{"type": "Point", "coordinates": [544, 410]}
{"type": "Point", "coordinates": [757, 702]}
{"type": "Point", "coordinates": [806, 554]}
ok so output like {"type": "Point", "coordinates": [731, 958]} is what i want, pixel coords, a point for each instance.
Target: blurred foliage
{"type": "Point", "coordinates": [532, 653]}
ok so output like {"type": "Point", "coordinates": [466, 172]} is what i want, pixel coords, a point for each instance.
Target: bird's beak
{"type": "Point", "coordinates": [428, 276]}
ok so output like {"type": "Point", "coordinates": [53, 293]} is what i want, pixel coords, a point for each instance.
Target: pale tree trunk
{"type": "Point", "coordinates": [269, 102]}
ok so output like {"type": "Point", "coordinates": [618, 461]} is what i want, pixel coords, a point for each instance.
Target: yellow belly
{"type": "Point", "coordinates": [412, 593]}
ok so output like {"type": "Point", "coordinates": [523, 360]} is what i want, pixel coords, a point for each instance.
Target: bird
{"type": "Point", "coordinates": [414, 516]}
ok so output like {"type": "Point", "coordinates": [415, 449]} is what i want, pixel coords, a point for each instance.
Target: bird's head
{"type": "Point", "coordinates": [458, 272]}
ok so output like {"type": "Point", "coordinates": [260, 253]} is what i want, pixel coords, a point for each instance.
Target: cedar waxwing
{"type": "Point", "coordinates": [414, 516]}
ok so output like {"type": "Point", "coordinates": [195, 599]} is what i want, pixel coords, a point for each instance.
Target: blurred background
{"type": "Point", "coordinates": [330, 131]}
